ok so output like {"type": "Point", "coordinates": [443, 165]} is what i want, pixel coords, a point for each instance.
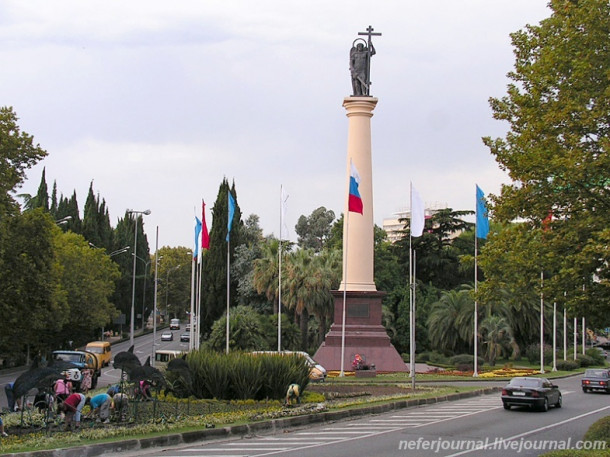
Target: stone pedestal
{"type": "Point", "coordinates": [364, 335]}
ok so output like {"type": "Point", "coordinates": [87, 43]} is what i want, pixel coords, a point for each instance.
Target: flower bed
{"type": "Point", "coordinates": [498, 373]}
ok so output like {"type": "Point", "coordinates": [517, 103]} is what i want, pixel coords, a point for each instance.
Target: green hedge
{"type": "Point", "coordinates": [567, 365]}
{"type": "Point", "coordinates": [243, 376]}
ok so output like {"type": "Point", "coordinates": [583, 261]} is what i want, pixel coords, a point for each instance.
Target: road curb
{"type": "Point", "coordinates": [273, 425]}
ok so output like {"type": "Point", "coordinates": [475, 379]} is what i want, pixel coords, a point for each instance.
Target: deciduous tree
{"type": "Point", "coordinates": [556, 150]}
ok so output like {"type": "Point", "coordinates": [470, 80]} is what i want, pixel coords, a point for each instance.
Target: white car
{"type": "Point", "coordinates": [167, 336]}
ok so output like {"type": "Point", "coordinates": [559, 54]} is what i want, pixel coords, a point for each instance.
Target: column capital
{"type": "Point", "coordinates": [360, 105]}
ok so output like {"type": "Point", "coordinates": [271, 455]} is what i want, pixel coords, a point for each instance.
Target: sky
{"type": "Point", "coordinates": [156, 102]}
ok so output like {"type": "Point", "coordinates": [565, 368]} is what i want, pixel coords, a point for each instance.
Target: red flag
{"type": "Point", "coordinates": [354, 202]}
{"type": "Point", "coordinates": [205, 236]}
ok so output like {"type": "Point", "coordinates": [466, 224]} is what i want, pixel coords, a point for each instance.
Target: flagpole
{"type": "Point", "coordinates": [195, 325]}
{"type": "Point", "coordinates": [346, 231]}
{"type": "Point", "coordinates": [412, 324]}
{"type": "Point", "coordinates": [565, 329]}
{"type": "Point", "coordinates": [475, 372]}
{"type": "Point", "coordinates": [481, 230]}
{"type": "Point", "coordinates": [193, 293]}
{"type": "Point", "coordinates": [541, 322]}
{"type": "Point", "coordinates": [153, 355]}
{"type": "Point", "coordinates": [575, 337]}
{"type": "Point", "coordinates": [411, 273]}
{"type": "Point", "coordinates": [554, 337]}
{"type": "Point", "coordinates": [279, 281]}
{"type": "Point", "coordinates": [228, 293]}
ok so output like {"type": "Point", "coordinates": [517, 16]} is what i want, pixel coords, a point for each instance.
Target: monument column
{"type": "Point", "coordinates": [358, 232]}
{"type": "Point", "coordinates": [357, 327]}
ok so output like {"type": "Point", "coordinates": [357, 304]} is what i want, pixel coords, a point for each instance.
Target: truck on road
{"type": "Point", "coordinates": [79, 361]}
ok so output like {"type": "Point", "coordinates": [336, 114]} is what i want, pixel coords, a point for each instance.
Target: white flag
{"type": "Point", "coordinates": [417, 214]}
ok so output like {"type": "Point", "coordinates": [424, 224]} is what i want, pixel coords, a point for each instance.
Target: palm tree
{"type": "Point", "coordinates": [327, 268]}
{"type": "Point", "coordinates": [308, 281]}
{"type": "Point", "coordinates": [496, 334]}
{"type": "Point", "coordinates": [266, 272]}
{"type": "Point", "coordinates": [444, 332]}
{"type": "Point", "coordinates": [300, 288]}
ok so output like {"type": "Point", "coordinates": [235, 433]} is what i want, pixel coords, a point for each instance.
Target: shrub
{"type": "Point", "coordinates": [279, 371]}
{"type": "Point", "coordinates": [599, 431]}
{"type": "Point", "coordinates": [245, 375]}
{"type": "Point", "coordinates": [239, 375]}
{"type": "Point", "coordinates": [533, 353]}
{"type": "Point", "coordinates": [406, 357]}
{"type": "Point", "coordinates": [596, 355]}
{"type": "Point", "coordinates": [585, 360]}
{"type": "Point", "coordinates": [567, 365]}
{"type": "Point", "coordinates": [422, 357]}
{"type": "Point", "coordinates": [465, 359]}
{"type": "Point", "coordinates": [437, 357]}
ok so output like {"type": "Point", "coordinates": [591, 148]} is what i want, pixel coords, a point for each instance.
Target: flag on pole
{"type": "Point", "coordinates": [197, 232]}
{"type": "Point", "coordinates": [205, 236]}
{"type": "Point", "coordinates": [417, 214]}
{"type": "Point", "coordinates": [482, 221]}
{"type": "Point", "coordinates": [355, 201]}
{"type": "Point", "coordinates": [231, 214]}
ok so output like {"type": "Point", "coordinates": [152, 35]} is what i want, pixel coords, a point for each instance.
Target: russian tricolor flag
{"type": "Point", "coordinates": [355, 202]}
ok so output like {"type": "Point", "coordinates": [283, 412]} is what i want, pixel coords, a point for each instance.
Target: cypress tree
{"type": "Point", "coordinates": [42, 197]}
{"type": "Point", "coordinates": [53, 209]}
{"type": "Point", "coordinates": [96, 222]}
{"type": "Point", "coordinates": [214, 284]}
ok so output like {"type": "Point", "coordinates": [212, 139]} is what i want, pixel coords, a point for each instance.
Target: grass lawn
{"type": "Point", "coordinates": [38, 439]}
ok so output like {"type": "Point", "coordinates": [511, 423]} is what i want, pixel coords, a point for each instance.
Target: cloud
{"type": "Point", "coordinates": [156, 102]}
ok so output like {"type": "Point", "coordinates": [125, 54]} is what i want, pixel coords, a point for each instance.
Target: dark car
{"type": "Point", "coordinates": [596, 379]}
{"type": "Point", "coordinates": [185, 337]}
{"type": "Point", "coordinates": [537, 393]}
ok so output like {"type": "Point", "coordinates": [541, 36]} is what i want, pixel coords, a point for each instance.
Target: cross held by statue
{"type": "Point", "coordinates": [360, 63]}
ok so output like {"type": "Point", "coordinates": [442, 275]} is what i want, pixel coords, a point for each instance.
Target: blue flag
{"type": "Point", "coordinates": [197, 232]}
{"type": "Point", "coordinates": [482, 223]}
{"type": "Point", "coordinates": [231, 214]}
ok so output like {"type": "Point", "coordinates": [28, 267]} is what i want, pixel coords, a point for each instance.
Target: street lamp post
{"type": "Point", "coordinates": [63, 220]}
{"type": "Point", "coordinates": [146, 264]}
{"type": "Point", "coordinates": [113, 253]}
{"type": "Point", "coordinates": [133, 285]}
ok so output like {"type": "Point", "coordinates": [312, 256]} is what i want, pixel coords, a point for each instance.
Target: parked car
{"type": "Point", "coordinates": [596, 379]}
{"type": "Point", "coordinates": [602, 351]}
{"type": "Point", "coordinates": [167, 336]}
{"type": "Point", "coordinates": [532, 392]}
{"type": "Point", "coordinates": [185, 337]}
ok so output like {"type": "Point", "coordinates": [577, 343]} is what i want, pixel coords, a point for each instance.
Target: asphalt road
{"type": "Point", "coordinates": [447, 429]}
